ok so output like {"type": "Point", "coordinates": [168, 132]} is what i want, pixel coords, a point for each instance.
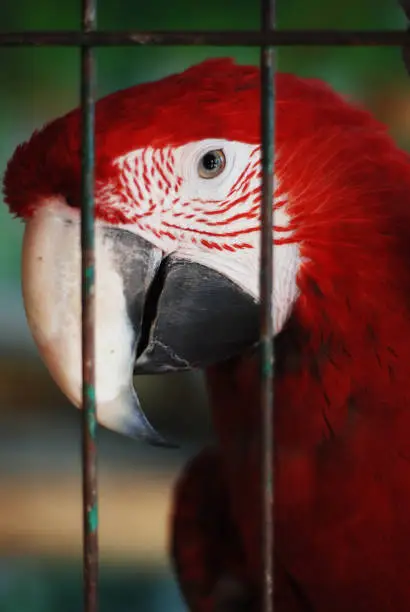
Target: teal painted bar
{"type": "Point", "coordinates": [89, 413]}
{"type": "Point", "coordinates": [93, 518]}
{"type": "Point", "coordinates": [267, 65]}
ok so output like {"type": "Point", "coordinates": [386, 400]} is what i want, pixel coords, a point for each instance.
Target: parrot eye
{"type": "Point", "coordinates": [211, 164]}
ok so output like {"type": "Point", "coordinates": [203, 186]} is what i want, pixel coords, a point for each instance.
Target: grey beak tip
{"type": "Point", "coordinates": [153, 438]}
{"type": "Point", "coordinates": [143, 431]}
{"type": "Point", "coordinates": [159, 441]}
{"type": "Point", "coordinates": [125, 416]}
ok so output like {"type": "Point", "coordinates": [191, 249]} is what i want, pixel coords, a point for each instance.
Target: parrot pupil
{"type": "Point", "coordinates": [211, 162]}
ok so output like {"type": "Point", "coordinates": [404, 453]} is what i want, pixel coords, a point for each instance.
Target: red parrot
{"type": "Point", "coordinates": [178, 196]}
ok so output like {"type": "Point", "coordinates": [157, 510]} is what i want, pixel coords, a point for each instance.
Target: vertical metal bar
{"type": "Point", "coordinates": [267, 58]}
{"type": "Point", "coordinates": [89, 422]}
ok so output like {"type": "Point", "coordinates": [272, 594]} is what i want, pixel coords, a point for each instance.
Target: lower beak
{"type": "Point", "coordinates": [152, 314]}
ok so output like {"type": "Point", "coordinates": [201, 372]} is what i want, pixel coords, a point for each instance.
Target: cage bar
{"type": "Point", "coordinates": [220, 38]}
{"type": "Point", "coordinates": [89, 420]}
{"type": "Point", "coordinates": [267, 67]}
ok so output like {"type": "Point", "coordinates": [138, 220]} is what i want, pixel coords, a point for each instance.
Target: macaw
{"type": "Point", "coordinates": [177, 207]}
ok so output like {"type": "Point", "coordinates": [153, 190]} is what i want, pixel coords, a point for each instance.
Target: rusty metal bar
{"type": "Point", "coordinates": [228, 38]}
{"type": "Point", "coordinates": [89, 421]}
{"type": "Point", "coordinates": [267, 65]}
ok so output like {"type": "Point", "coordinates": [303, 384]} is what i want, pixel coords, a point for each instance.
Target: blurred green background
{"type": "Point", "coordinates": [40, 518]}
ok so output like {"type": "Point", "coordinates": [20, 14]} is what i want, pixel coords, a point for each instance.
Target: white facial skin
{"type": "Point", "coordinates": [195, 209]}
{"type": "Point", "coordinates": [212, 221]}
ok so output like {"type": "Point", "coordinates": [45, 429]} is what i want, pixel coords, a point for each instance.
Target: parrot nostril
{"type": "Point", "coordinates": [151, 306]}
{"type": "Point", "coordinates": [71, 200]}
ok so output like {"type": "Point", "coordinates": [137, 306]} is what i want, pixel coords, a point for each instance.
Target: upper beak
{"type": "Point", "coordinates": [153, 313]}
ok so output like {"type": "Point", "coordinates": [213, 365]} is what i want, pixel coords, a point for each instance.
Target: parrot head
{"type": "Point", "coordinates": [177, 224]}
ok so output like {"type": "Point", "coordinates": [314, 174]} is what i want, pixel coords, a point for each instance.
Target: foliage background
{"type": "Point", "coordinates": [40, 537]}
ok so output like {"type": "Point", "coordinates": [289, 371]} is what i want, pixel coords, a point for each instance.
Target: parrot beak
{"type": "Point", "coordinates": [152, 313]}
{"type": "Point", "coordinates": [125, 267]}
